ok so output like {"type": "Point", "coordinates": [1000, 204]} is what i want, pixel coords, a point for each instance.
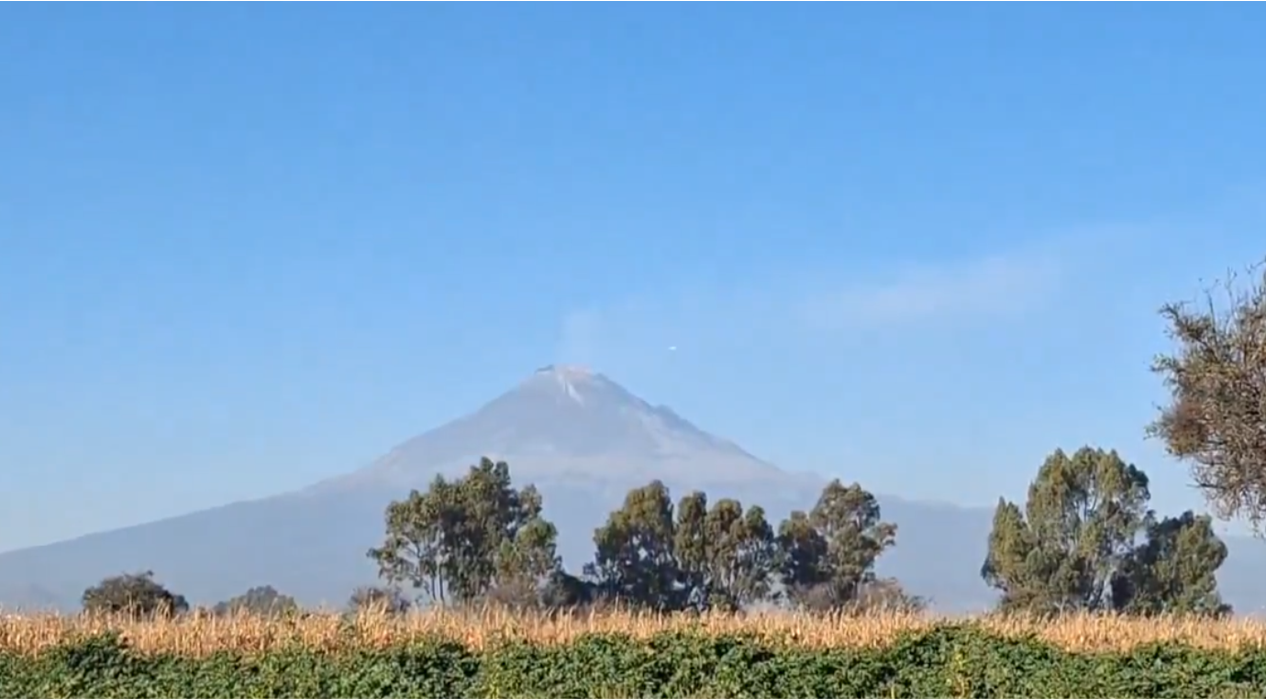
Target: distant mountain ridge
{"type": "Point", "coordinates": [583, 439]}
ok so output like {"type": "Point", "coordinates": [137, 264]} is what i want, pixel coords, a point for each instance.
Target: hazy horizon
{"type": "Point", "coordinates": [584, 441]}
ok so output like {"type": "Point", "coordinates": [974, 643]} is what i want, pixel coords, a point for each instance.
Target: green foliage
{"type": "Point", "coordinates": [479, 539]}
{"type": "Point", "coordinates": [635, 560]}
{"type": "Point", "coordinates": [562, 590]}
{"type": "Point", "coordinates": [702, 558]}
{"type": "Point", "coordinates": [827, 556]}
{"type": "Point", "coordinates": [953, 661]}
{"type": "Point", "coordinates": [652, 556]}
{"type": "Point", "coordinates": [1173, 571]}
{"type": "Point", "coordinates": [462, 539]}
{"type": "Point", "coordinates": [137, 594]}
{"type": "Point", "coordinates": [263, 601]}
{"type": "Point", "coordinates": [727, 556]}
{"type": "Point", "coordinates": [1086, 541]}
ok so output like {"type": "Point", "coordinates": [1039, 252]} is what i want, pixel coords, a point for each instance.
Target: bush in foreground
{"type": "Point", "coordinates": [946, 660]}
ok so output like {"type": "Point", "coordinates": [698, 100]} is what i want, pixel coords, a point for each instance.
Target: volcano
{"type": "Point", "coordinates": [576, 434]}
{"type": "Point", "coordinates": [566, 421]}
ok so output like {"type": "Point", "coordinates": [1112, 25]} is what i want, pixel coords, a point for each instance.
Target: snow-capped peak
{"type": "Point", "coordinates": [566, 371]}
{"type": "Point", "coordinates": [569, 378]}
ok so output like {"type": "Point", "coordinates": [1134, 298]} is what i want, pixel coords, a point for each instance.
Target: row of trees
{"type": "Point", "coordinates": [478, 538]}
{"type": "Point", "coordinates": [139, 594]}
{"type": "Point", "coordinates": [1085, 539]}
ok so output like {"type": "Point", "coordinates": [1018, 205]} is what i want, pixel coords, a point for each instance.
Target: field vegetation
{"type": "Point", "coordinates": [620, 654]}
{"type": "Point", "coordinates": [201, 635]}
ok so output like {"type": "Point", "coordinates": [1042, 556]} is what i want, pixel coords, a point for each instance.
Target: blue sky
{"type": "Point", "coordinates": [243, 248]}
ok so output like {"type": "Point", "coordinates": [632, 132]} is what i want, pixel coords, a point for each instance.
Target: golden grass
{"type": "Point", "coordinates": [200, 635]}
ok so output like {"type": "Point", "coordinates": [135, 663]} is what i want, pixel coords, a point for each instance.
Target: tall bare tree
{"type": "Point", "coordinates": [1216, 416]}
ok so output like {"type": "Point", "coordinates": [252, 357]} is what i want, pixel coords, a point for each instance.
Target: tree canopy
{"type": "Point", "coordinates": [1087, 541]}
{"type": "Point", "coordinates": [479, 539]}
{"type": "Point", "coordinates": [461, 539]}
{"type": "Point", "coordinates": [135, 594]}
{"type": "Point", "coordinates": [650, 555]}
{"type": "Point", "coordinates": [263, 600]}
{"type": "Point", "coordinates": [828, 554]}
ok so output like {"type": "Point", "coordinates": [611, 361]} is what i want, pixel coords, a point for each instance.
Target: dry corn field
{"type": "Point", "coordinates": [201, 635]}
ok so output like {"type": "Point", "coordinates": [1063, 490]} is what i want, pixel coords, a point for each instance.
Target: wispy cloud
{"type": "Point", "coordinates": [958, 290]}
{"type": "Point", "coordinates": [579, 337]}
{"type": "Point", "coordinates": [784, 311]}
{"type": "Point", "coordinates": [788, 310]}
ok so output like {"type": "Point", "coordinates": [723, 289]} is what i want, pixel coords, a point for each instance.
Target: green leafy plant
{"type": "Point", "coordinates": [950, 659]}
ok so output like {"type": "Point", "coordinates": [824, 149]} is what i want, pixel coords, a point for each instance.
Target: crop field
{"type": "Point", "coordinates": [496, 654]}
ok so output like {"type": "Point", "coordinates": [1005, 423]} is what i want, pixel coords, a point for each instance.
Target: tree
{"type": "Point", "coordinates": [527, 550]}
{"type": "Point", "coordinates": [1086, 541]}
{"type": "Point", "coordinates": [135, 594]}
{"type": "Point", "coordinates": [886, 595]}
{"type": "Point", "coordinates": [418, 545]}
{"type": "Point", "coordinates": [828, 555]}
{"type": "Point", "coordinates": [1173, 571]}
{"type": "Point", "coordinates": [1016, 564]}
{"type": "Point", "coordinates": [1216, 416]}
{"type": "Point", "coordinates": [388, 600]}
{"type": "Point", "coordinates": [499, 535]}
{"type": "Point", "coordinates": [1082, 517]}
{"type": "Point", "coordinates": [265, 601]}
{"type": "Point", "coordinates": [653, 556]}
{"type": "Point", "coordinates": [634, 560]}
{"type": "Point", "coordinates": [461, 539]}
{"type": "Point", "coordinates": [803, 563]}
{"type": "Point", "coordinates": [726, 557]}
{"type": "Point", "coordinates": [562, 591]}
